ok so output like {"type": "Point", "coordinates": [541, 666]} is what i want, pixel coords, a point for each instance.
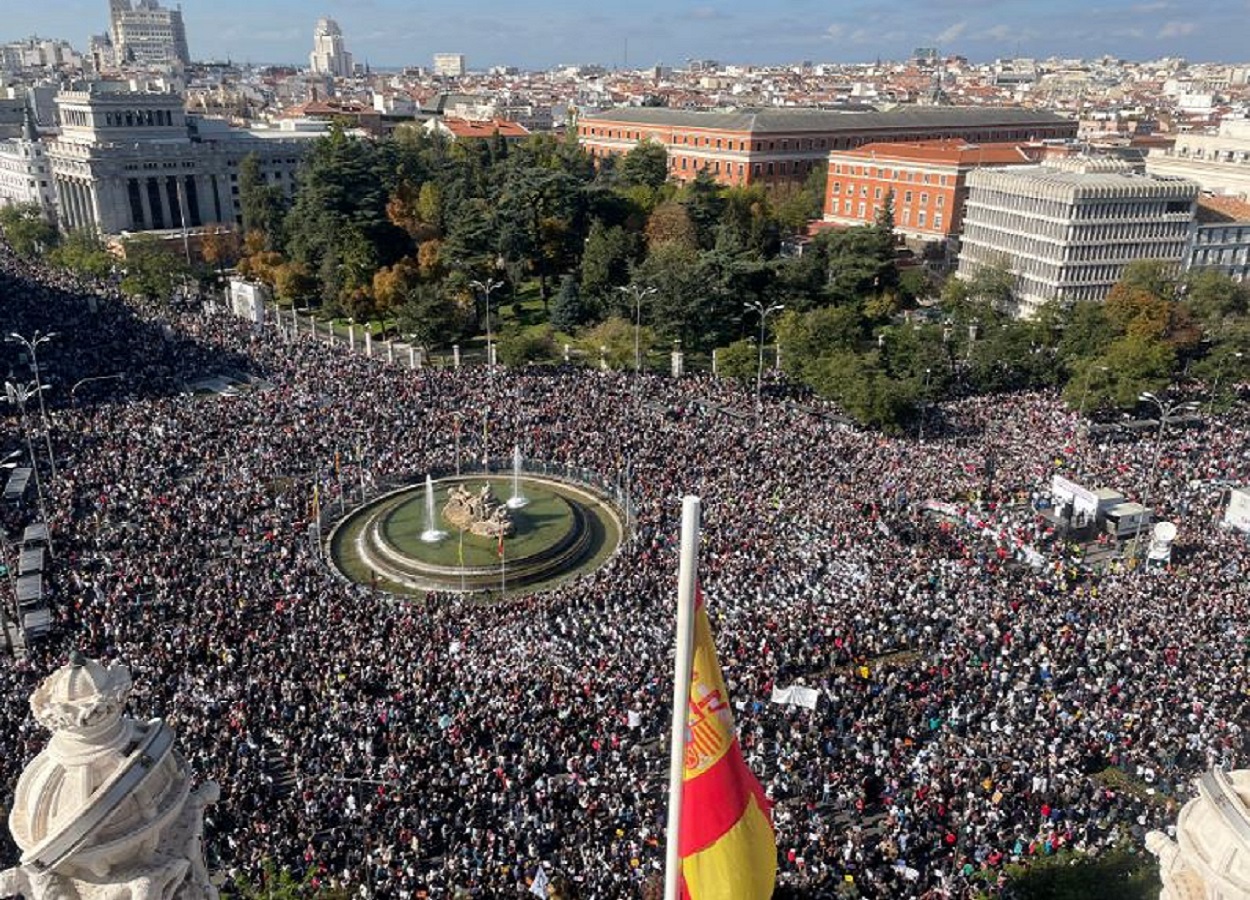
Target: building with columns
{"type": "Point", "coordinates": [329, 54]}
{"type": "Point", "coordinates": [135, 161]}
{"type": "Point", "coordinates": [1069, 227]}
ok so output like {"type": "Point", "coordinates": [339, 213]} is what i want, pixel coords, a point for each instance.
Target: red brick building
{"type": "Point", "coordinates": [927, 178]}
{"type": "Point", "coordinates": [774, 146]}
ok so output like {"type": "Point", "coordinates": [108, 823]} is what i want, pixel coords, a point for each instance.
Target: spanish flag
{"type": "Point", "coordinates": [726, 843]}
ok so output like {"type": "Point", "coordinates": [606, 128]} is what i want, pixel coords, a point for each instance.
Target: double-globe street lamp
{"type": "Point", "coordinates": [758, 307]}
{"type": "Point", "coordinates": [32, 346]}
{"type": "Point", "coordinates": [18, 395]}
{"type": "Point", "coordinates": [486, 287]}
{"type": "Point", "coordinates": [637, 292]}
{"type": "Point", "coordinates": [1167, 411]}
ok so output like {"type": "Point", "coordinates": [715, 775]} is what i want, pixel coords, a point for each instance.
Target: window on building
{"type": "Point", "coordinates": [907, 197]}
{"type": "Point", "coordinates": [924, 199]}
{"type": "Point", "coordinates": [846, 206]}
{"type": "Point", "coordinates": [937, 221]}
{"type": "Point", "coordinates": [876, 193]}
{"type": "Point", "coordinates": [863, 190]}
{"type": "Point", "coordinates": [862, 209]}
{"type": "Point", "coordinates": [941, 200]}
{"type": "Point", "coordinates": [837, 187]}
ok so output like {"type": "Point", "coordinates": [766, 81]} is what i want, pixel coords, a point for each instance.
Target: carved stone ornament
{"type": "Point", "coordinates": [479, 514]}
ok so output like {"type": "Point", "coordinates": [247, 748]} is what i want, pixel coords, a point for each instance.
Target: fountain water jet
{"type": "Point", "coordinates": [431, 534]}
{"type": "Point", "coordinates": [517, 500]}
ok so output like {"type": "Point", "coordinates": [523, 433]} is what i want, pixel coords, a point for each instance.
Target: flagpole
{"type": "Point", "coordinates": [687, 575]}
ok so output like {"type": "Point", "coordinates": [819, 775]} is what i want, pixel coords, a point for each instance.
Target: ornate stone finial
{"type": "Point", "coordinates": [81, 695]}
{"type": "Point", "coordinates": [107, 809]}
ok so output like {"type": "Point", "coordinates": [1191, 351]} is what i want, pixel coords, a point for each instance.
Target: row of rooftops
{"type": "Point", "coordinates": [764, 120]}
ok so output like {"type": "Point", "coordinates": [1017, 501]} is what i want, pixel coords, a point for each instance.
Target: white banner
{"type": "Point", "coordinates": [1082, 499]}
{"type": "Point", "coordinates": [1238, 512]}
{"type": "Point", "coordinates": [796, 695]}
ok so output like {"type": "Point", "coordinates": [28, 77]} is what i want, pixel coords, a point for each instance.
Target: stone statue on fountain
{"type": "Point", "coordinates": [482, 514]}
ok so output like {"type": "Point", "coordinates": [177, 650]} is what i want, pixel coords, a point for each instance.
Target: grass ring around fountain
{"type": "Point", "coordinates": [565, 529]}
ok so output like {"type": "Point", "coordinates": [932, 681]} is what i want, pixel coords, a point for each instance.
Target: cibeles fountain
{"type": "Point", "coordinates": [107, 811]}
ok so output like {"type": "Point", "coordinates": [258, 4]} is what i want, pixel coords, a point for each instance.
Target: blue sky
{"type": "Point", "coordinates": [540, 33]}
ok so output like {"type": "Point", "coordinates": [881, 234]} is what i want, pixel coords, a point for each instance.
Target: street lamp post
{"type": "Point", "coordinates": [763, 312]}
{"type": "Point", "coordinates": [18, 395]}
{"type": "Point", "coordinates": [77, 384]}
{"type": "Point", "coordinates": [637, 291]}
{"type": "Point", "coordinates": [32, 347]}
{"type": "Point", "coordinates": [1166, 412]}
{"type": "Point", "coordinates": [486, 287]}
{"type": "Point", "coordinates": [924, 405]}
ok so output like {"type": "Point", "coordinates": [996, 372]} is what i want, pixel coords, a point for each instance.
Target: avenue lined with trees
{"type": "Point", "coordinates": [619, 262]}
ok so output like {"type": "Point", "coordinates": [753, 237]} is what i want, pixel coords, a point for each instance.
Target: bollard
{"type": "Point", "coordinates": [368, 343]}
{"type": "Point", "coordinates": [679, 363]}
{"type": "Point", "coordinates": [714, 361]}
{"type": "Point", "coordinates": [351, 336]}
{"type": "Point", "coordinates": [412, 357]}
{"type": "Point", "coordinates": [455, 355]}
{"type": "Point", "coordinates": [390, 351]}
{"type": "Point", "coordinates": [566, 352]}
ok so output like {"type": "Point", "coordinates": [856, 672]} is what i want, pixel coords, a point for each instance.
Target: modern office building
{"type": "Point", "coordinates": [146, 34]}
{"type": "Point", "coordinates": [449, 65]}
{"type": "Point", "coordinates": [1219, 162]}
{"type": "Point", "coordinates": [329, 54]}
{"type": "Point", "coordinates": [774, 145]}
{"type": "Point", "coordinates": [927, 179]}
{"type": "Point", "coordinates": [135, 161]}
{"type": "Point", "coordinates": [1067, 228]}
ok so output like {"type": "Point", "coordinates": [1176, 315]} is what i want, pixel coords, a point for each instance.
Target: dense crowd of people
{"type": "Point", "coordinates": [970, 706]}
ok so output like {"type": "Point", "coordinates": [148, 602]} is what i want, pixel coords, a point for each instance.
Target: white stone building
{"type": "Point", "coordinates": [135, 161]}
{"type": "Point", "coordinates": [329, 54]}
{"type": "Point", "coordinates": [1219, 162]}
{"type": "Point", "coordinates": [25, 173]}
{"type": "Point", "coordinates": [146, 34]}
{"type": "Point", "coordinates": [1067, 228]}
{"type": "Point", "coordinates": [449, 65]}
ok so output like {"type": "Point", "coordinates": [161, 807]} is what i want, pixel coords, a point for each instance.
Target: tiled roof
{"type": "Point", "coordinates": [824, 120]}
{"type": "Point", "coordinates": [1222, 209]}
{"type": "Point", "coordinates": [952, 152]}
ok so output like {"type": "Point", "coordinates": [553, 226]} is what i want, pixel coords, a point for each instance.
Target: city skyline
{"type": "Point", "coordinates": [545, 33]}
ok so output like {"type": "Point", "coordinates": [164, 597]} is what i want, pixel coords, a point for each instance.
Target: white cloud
{"type": "Point", "coordinates": [836, 31]}
{"type": "Point", "coordinates": [950, 35]}
{"type": "Point", "coordinates": [1176, 29]}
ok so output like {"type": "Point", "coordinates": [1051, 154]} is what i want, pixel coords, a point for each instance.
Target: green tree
{"type": "Point", "coordinates": [613, 340]}
{"type": "Point", "coordinates": [605, 262]}
{"type": "Point", "coordinates": [152, 270]}
{"type": "Point", "coordinates": [569, 311]}
{"type": "Point", "coordinates": [739, 361]}
{"type": "Point", "coordinates": [646, 165]}
{"type": "Point", "coordinates": [523, 347]}
{"type": "Point", "coordinates": [27, 229]}
{"type": "Point", "coordinates": [263, 205]}
{"type": "Point", "coordinates": [1214, 297]}
{"type": "Point", "coordinates": [81, 251]}
{"type": "Point", "coordinates": [431, 314]}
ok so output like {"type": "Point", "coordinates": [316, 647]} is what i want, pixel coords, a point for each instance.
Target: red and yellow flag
{"type": "Point", "coordinates": [726, 842]}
